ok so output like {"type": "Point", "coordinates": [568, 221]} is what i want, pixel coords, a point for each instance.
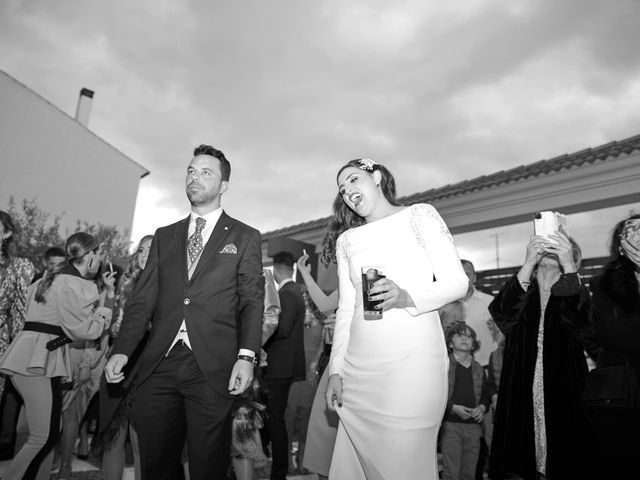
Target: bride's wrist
{"type": "Point", "coordinates": [408, 301]}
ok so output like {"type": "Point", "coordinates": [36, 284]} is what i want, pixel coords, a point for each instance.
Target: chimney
{"type": "Point", "coordinates": [83, 109]}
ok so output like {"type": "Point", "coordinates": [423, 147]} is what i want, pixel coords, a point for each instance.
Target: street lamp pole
{"type": "Point", "coordinates": [495, 235]}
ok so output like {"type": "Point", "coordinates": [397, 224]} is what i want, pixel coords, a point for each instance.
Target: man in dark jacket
{"type": "Point", "coordinates": [203, 291]}
{"type": "Point", "coordinates": [285, 360]}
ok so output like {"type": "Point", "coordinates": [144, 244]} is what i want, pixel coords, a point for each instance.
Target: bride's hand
{"type": "Point", "coordinates": [334, 392]}
{"type": "Point", "coordinates": [393, 296]}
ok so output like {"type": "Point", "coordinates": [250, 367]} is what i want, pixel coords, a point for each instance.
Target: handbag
{"type": "Point", "coordinates": [611, 387]}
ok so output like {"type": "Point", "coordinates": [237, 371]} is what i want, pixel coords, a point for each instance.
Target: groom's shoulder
{"type": "Point", "coordinates": [172, 227]}
{"type": "Point", "coordinates": [242, 227]}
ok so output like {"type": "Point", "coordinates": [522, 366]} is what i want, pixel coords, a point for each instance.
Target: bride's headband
{"type": "Point", "coordinates": [367, 164]}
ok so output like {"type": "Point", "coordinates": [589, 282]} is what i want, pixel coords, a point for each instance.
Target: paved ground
{"type": "Point", "coordinates": [89, 470]}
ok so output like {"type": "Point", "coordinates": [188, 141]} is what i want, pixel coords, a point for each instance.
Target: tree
{"type": "Point", "coordinates": [38, 230]}
{"type": "Point", "coordinates": [115, 245]}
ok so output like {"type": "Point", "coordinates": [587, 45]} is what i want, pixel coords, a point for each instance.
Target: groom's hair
{"type": "Point", "coordinates": [284, 259]}
{"type": "Point", "coordinates": [225, 166]}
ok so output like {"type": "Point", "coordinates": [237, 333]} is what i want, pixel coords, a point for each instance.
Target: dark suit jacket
{"type": "Point", "coordinates": [285, 348]}
{"type": "Point", "coordinates": [222, 304]}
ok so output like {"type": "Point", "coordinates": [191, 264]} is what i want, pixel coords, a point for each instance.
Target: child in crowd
{"type": "Point", "coordinates": [468, 400]}
{"type": "Point", "coordinates": [248, 418]}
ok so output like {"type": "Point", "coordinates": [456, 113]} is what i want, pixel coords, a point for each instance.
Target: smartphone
{"type": "Point", "coordinates": [548, 223]}
{"type": "Point", "coordinates": [304, 251]}
{"type": "Point", "coordinates": [111, 268]}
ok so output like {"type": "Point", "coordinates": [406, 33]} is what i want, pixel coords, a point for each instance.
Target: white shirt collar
{"type": "Point", "coordinates": [284, 282]}
{"type": "Point", "coordinates": [211, 217]}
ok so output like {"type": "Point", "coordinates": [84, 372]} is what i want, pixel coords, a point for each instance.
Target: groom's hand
{"type": "Point", "coordinates": [241, 377]}
{"type": "Point", "coordinates": [113, 368]}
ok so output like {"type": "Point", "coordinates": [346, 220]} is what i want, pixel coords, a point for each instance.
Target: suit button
{"type": "Point", "coordinates": [187, 301]}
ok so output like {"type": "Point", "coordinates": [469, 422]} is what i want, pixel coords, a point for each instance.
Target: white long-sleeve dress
{"type": "Point", "coordinates": [394, 370]}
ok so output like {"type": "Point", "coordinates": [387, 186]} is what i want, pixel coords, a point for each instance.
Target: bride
{"type": "Point", "coordinates": [388, 377]}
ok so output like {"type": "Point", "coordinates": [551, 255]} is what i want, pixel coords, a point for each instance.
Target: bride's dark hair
{"type": "Point", "coordinates": [343, 217]}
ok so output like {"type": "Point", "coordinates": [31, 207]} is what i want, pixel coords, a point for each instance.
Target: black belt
{"type": "Point", "coordinates": [40, 327]}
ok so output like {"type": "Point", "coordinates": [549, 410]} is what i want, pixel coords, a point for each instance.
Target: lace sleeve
{"type": "Point", "coordinates": [450, 282]}
{"type": "Point", "coordinates": [419, 216]}
{"type": "Point", "coordinates": [346, 307]}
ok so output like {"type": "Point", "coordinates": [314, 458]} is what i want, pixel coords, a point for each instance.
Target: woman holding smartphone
{"type": "Point", "coordinates": [540, 428]}
{"type": "Point", "coordinates": [61, 307]}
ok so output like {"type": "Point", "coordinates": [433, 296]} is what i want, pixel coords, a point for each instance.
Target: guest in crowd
{"type": "Point", "coordinates": [15, 276]}
{"type": "Point", "coordinates": [249, 407]}
{"type": "Point", "coordinates": [495, 371]}
{"type": "Point", "coordinates": [115, 401]}
{"type": "Point", "coordinates": [52, 255]}
{"type": "Point", "coordinates": [271, 314]}
{"type": "Point", "coordinates": [60, 307]}
{"type": "Point", "coordinates": [323, 302]}
{"type": "Point", "coordinates": [323, 423]}
{"type": "Point", "coordinates": [302, 391]}
{"type": "Point", "coordinates": [616, 301]}
{"type": "Point", "coordinates": [88, 358]}
{"type": "Point", "coordinates": [248, 414]}
{"type": "Point", "coordinates": [285, 361]}
{"type": "Point", "coordinates": [475, 305]}
{"type": "Point", "coordinates": [451, 313]}
{"type": "Point", "coordinates": [540, 428]}
{"type": "Point", "coordinates": [468, 400]}
{"type": "Point", "coordinates": [389, 415]}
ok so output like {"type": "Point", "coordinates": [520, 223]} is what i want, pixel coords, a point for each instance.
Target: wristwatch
{"type": "Point", "coordinates": [249, 358]}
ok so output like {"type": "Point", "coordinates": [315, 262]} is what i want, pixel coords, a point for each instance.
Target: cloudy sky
{"type": "Point", "coordinates": [439, 91]}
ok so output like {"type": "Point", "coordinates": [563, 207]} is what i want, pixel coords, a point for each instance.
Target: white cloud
{"type": "Point", "coordinates": [289, 90]}
{"type": "Point", "coordinates": [150, 212]}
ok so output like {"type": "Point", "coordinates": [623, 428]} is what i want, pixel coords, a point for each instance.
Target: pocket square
{"type": "Point", "coordinates": [229, 248]}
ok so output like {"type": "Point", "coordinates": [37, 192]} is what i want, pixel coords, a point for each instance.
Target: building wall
{"type": "Point", "coordinates": [48, 156]}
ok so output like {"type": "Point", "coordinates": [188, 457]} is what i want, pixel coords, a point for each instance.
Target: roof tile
{"type": "Point", "coordinates": [604, 152]}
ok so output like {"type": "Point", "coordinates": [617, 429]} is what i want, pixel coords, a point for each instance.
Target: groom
{"type": "Point", "coordinates": [202, 290]}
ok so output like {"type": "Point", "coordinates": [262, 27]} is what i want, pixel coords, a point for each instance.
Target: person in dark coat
{"type": "Point", "coordinates": [616, 303]}
{"type": "Point", "coordinates": [540, 423]}
{"type": "Point", "coordinates": [285, 360]}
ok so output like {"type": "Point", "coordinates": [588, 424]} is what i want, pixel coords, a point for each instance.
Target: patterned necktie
{"type": "Point", "coordinates": [194, 244]}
